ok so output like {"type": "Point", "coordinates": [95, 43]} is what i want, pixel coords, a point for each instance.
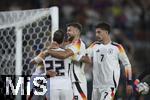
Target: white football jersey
{"type": "Point", "coordinates": [106, 67]}
{"type": "Point", "coordinates": [77, 68]}
{"type": "Point", "coordinates": [62, 80]}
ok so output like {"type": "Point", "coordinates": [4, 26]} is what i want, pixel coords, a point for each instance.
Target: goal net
{"type": "Point", "coordinates": [23, 34]}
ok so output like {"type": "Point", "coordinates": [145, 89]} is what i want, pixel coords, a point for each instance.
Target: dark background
{"type": "Point", "coordinates": [130, 20]}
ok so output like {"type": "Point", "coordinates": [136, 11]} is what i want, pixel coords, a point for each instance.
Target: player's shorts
{"type": "Point", "coordinates": [60, 94]}
{"type": "Point", "coordinates": [103, 94]}
{"type": "Point", "coordinates": [55, 93]}
{"type": "Point", "coordinates": [79, 91]}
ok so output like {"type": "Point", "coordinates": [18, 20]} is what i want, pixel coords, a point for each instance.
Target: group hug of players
{"type": "Point", "coordinates": [64, 60]}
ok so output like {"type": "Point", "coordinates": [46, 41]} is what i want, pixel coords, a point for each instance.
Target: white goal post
{"type": "Point", "coordinates": [19, 19]}
{"type": "Point", "coordinates": [23, 34]}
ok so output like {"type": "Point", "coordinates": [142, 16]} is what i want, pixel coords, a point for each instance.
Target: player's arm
{"type": "Point", "coordinates": [128, 73]}
{"type": "Point", "coordinates": [60, 54]}
{"type": "Point", "coordinates": [70, 51]}
{"type": "Point", "coordinates": [38, 59]}
{"type": "Point", "coordinates": [128, 70]}
{"type": "Point", "coordinates": [125, 61]}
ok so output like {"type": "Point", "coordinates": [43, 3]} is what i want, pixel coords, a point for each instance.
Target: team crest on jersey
{"type": "Point", "coordinates": [110, 51]}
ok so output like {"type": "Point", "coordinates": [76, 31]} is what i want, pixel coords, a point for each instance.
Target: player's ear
{"type": "Point", "coordinates": [77, 30]}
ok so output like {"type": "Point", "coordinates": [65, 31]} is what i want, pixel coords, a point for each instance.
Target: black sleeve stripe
{"type": "Point", "coordinates": [75, 76]}
{"type": "Point", "coordinates": [114, 80]}
{"type": "Point", "coordinates": [78, 85]}
{"type": "Point", "coordinates": [114, 43]}
{"type": "Point", "coordinates": [68, 68]}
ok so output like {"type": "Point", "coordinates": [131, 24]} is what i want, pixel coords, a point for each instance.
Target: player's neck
{"type": "Point", "coordinates": [107, 40]}
{"type": "Point", "coordinates": [76, 38]}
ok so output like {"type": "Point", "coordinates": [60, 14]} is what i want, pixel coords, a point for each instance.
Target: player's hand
{"type": "Point", "coordinates": [51, 73]}
{"type": "Point", "coordinates": [32, 61]}
{"type": "Point", "coordinates": [129, 89]}
{"type": "Point", "coordinates": [36, 60]}
{"type": "Point", "coordinates": [86, 59]}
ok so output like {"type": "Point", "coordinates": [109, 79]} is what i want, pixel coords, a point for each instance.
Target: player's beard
{"type": "Point", "coordinates": [67, 41]}
{"type": "Point", "coordinates": [68, 38]}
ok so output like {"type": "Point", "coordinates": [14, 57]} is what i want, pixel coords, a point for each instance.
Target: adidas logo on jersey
{"type": "Point", "coordinates": [98, 50]}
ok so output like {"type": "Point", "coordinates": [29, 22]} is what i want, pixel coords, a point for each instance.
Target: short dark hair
{"type": "Point", "coordinates": [104, 26]}
{"type": "Point", "coordinates": [59, 36]}
{"type": "Point", "coordinates": [76, 25]}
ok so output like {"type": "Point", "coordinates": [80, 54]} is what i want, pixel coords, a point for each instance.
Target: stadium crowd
{"type": "Point", "coordinates": [130, 20]}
